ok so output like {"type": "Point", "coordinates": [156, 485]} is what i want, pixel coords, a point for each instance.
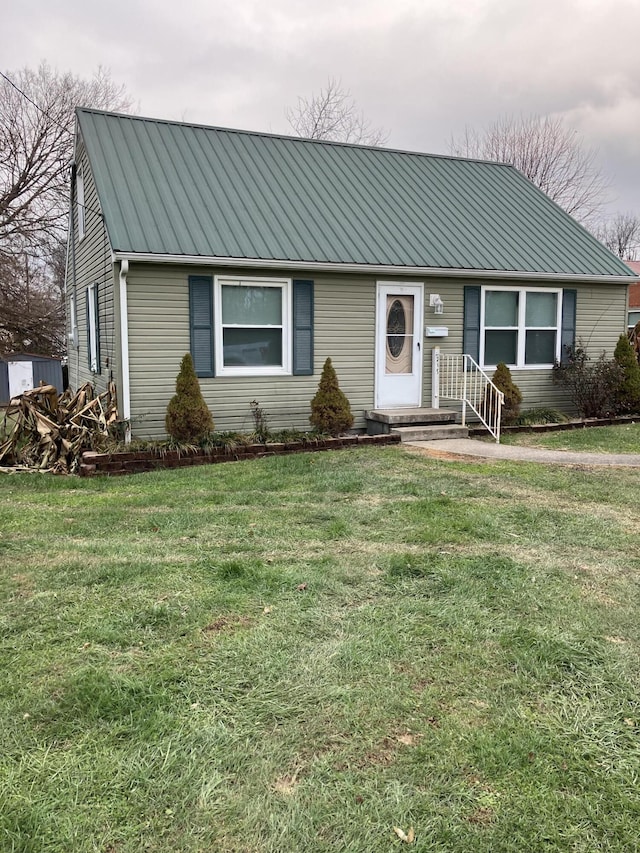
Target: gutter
{"type": "Point", "coordinates": [375, 269]}
{"type": "Point", "coordinates": [124, 347]}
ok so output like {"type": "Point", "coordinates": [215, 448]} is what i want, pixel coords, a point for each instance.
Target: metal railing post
{"type": "Point", "coordinates": [435, 378]}
{"type": "Point", "coordinates": [500, 404]}
{"type": "Point", "coordinates": [464, 390]}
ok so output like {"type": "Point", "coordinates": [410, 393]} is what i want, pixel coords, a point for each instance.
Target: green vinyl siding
{"type": "Point", "coordinates": [344, 329]}
{"type": "Point", "coordinates": [159, 323]}
{"type": "Point", "coordinates": [600, 318]}
{"type": "Point", "coordinates": [89, 263]}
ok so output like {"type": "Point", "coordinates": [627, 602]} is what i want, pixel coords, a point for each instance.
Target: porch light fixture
{"type": "Point", "coordinates": [436, 303]}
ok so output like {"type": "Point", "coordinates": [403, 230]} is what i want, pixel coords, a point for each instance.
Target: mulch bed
{"type": "Point", "coordinates": [133, 462]}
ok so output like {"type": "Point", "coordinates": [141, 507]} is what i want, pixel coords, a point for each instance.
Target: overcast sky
{"type": "Point", "coordinates": [422, 69]}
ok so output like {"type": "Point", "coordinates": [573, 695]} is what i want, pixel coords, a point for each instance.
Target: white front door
{"type": "Point", "coordinates": [399, 317]}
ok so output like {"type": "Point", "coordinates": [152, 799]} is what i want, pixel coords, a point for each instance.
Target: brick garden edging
{"type": "Point", "coordinates": [136, 461]}
{"type": "Point", "coordinates": [584, 423]}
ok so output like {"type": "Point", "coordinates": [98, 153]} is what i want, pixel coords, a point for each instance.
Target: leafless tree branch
{"type": "Point", "coordinates": [332, 114]}
{"type": "Point", "coordinates": [621, 235]}
{"type": "Point", "coordinates": [31, 308]}
{"type": "Point", "coordinates": [547, 152]}
{"type": "Point", "coordinates": [36, 147]}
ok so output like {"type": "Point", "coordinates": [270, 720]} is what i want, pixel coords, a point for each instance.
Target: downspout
{"type": "Point", "coordinates": [72, 246]}
{"type": "Point", "coordinates": [124, 346]}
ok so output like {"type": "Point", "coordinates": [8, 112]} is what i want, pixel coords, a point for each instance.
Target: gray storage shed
{"type": "Point", "coordinates": [20, 372]}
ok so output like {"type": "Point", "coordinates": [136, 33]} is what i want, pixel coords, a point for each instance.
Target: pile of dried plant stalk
{"type": "Point", "coordinates": [47, 431]}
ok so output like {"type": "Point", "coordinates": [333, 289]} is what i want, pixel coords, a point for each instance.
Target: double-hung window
{"type": "Point", "coordinates": [252, 326]}
{"type": "Point", "coordinates": [520, 326]}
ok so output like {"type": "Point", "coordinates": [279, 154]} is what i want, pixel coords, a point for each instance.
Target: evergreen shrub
{"type": "Point", "coordinates": [503, 381]}
{"type": "Point", "coordinates": [188, 419]}
{"type": "Point", "coordinates": [330, 409]}
{"type": "Point", "coordinates": [628, 396]}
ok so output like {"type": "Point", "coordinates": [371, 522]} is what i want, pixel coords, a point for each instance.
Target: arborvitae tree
{"type": "Point", "coordinates": [628, 396]}
{"type": "Point", "coordinates": [330, 409]}
{"type": "Point", "coordinates": [512, 394]}
{"type": "Point", "coordinates": [188, 418]}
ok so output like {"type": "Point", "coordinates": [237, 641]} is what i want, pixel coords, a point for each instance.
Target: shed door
{"type": "Point", "coordinates": [399, 345]}
{"type": "Point", "coordinates": [20, 377]}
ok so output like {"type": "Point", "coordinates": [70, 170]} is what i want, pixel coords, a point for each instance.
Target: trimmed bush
{"type": "Point", "coordinates": [330, 409]}
{"type": "Point", "coordinates": [628, 397]}
{"type": "Point", "coordinates": [188, 419]}
{"type": "Point", "coordinates": [512, 395]}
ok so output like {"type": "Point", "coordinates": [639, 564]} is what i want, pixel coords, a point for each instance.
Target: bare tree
{"type": "Point", "coordinates": [31, 308]}
{"type": "Point", "coordinates": [621, 235]}
{"type": "Point", "coordinates": [547, 152]}
{"type": "Point", "coordinates": [332, 114]}
{"type": "Point", "coordinates": [36, 147]}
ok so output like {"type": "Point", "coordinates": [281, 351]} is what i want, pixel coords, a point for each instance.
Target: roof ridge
{"type": "Point", "coordinates": [289, 137]}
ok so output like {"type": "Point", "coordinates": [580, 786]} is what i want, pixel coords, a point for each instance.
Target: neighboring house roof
{"type": "Point", "coordinates": [26, 356]}
{"type": "Point", "coordinates": [634, 289]}
{"type": "Point", "coordinates": [175, 189]}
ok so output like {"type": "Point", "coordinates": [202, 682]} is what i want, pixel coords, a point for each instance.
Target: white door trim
{"type": "Point", "coordinates": [394, 391]}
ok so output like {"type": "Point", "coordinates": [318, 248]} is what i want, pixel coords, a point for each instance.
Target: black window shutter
{"type": "Point", "coordinates": [471, 323]}
{"type": "Point", "coordinates": [201, 323]}
{"type": "Point", "coordinates": [302, 328]}
{"type": "Point", "coordinates": [568, 335]}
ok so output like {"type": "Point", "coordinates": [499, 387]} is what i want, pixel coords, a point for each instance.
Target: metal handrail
{"type": "Point", "coordinates": [459, 377]}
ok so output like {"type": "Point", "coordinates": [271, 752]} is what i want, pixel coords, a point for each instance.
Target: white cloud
{"type": "Point", "coordinates": [423, 69]}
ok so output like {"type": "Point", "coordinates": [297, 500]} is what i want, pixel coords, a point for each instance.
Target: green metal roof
{"type": "Point", "coordinates": [168, 188]}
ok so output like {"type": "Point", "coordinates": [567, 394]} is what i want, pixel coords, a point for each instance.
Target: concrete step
{"type": "Point", "coordinates": [384, 420]}
{"type": "Point", "coordinates": [432, 432]}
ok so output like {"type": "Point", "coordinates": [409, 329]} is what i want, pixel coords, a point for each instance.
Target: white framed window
{"type": "Point", "coordinates": [93, 329]}
{"type": "Point", "coordinates": [634, 317]}
{"type": "Point", "coordinates": [252, 326]}
{"type": "Point", "coordinates": [520, 326]}
{"type": "Point", "coordinates": [80, 203]}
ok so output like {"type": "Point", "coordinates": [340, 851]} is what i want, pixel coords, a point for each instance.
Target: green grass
{"type": "Point", "coordinates": [301, 653]}
{"type": "Point", "coordinates": [623, 438]}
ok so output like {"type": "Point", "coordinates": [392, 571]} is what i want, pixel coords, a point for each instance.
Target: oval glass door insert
{"type": "Point", "coordinates": [399, 347]}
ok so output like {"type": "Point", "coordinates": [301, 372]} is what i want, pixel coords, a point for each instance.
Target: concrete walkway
{"type": "Point", "coordinates": [490, 450]}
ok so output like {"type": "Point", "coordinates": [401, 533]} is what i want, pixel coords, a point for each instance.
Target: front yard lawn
{"type": "Point", "coordinates": [301, 653]}
{"type": "Point", "coordinates": [623, 438]}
